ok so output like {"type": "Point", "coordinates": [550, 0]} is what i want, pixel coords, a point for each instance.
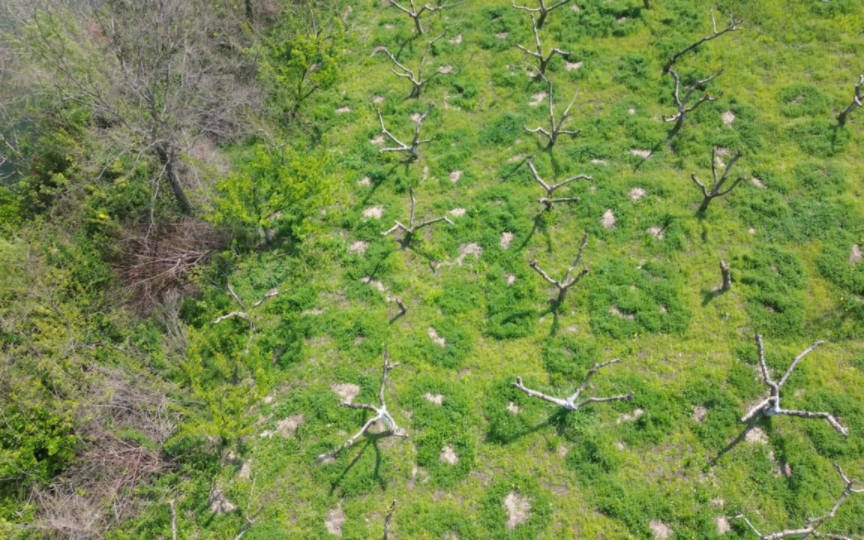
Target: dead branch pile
{"type": "Point", "coordinates": [155, 260]}
{"type": "Point", "coordinates": [99, 489]}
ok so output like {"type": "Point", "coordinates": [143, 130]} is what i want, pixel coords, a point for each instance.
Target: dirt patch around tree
{"type": "Point", "coordinates": [518, 509]}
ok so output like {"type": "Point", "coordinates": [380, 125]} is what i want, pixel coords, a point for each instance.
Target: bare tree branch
{"type": "Point", "coordinates": [415, 13]}
{"type": "Point", "coordinates": [548, 201]}
{"type": "Point", "coordinates": [813, 524]}
{"type": "Point", "coordinates": [543, 10]}
{"type": "Point", "coordinates": [417, 81]}
{"type": "Point", "coordinates": [543, 60]}
{"type": "Point", "coordinates": [771, 406]}
{"type": "Point", "coordinates": [555, 128]}
{"type": "Point", "coordinates": [565, 284]}
{"type": "Point", "coordinates": [244, 314]}
{"type": "Point", "coordinates": [856, 101]}
{"type": "Point", "coordinates": [681, 104]}
{"type": "Point", "coordinates": [387, 520]}
{"type": "Point", "coordinates": [733, 26]}
{"type": "Point", "coordinates": [412, 228]}
{"type": "Point", "coordinates": [381, 413]}
{"type": "Point", "coordinates": [569, 403]}
{"type": "Point", "coordinates": [717, 185]}
{"type": "Point", "coordinates": [173, 520]}
{"type": "Point", "coordinates": [249, 523]}
{"type": "Point", "coordinates": [412, 149]}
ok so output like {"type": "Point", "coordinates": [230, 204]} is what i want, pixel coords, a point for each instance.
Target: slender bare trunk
{"type": "Point", "coordinates": [168, 158]}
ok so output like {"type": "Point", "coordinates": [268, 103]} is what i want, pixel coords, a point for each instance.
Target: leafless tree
{"type": "Point", "coordinates": [647, 4]}
{"type": "Point", "coordinates": [548, 201]}
{"type": "Point", "coordinates": [717, 186]}
{"type": "Point", "coordinates": [402, 307]}
{"type": "Point", "coordinates": [771, 406]}
{"type": "Point", "coordinates": [565, 284]}
{"type": "Point", "coordinates": [388, 518]}
{"type": "Point", "coordinates": [415, 13]}
{"type": "Point", "coordinates": [856, 101]}
{"type": "Point", "coordinates": [569, 402]}
{"type": "Point", "coordinates": [543, 10]}
{"type": "Point", "coordinates": [727, 276]}
{"type": "Point", "coordinates": [157, 76]}
{"type": "Point", "coordinates": [412, 228]}
{"type": "Point", "coordinates": [416, 142]}
{"type": "Point", "coordinates": [733, 26]}
{"type": "Point", "coordinates": [417, 80]}
{"type": "Point", "coordinates": [555, 127]}
{"type": "Point", "coordinates": [543, 60]}
{"type": "Point", "coordinates": [681, 104]}
{"type": "Point", "coordinates": [381, 413]}
{"type": "Point", "coordinates": [813, 524]}
{"type": "Point", "coordinates": [245, 314]}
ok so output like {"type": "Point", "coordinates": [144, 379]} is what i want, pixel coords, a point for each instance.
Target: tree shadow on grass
{"type": "Point", "coordinates": [377, 183]}
{"type": "Point", "coordinates": [710, 294]}
{"type": "Point", "coordinates": [554, 308]}
{"type": "Point", "coordinates": [751, 425]}
{"type": "Point", "coordinates": [541, 226]}
{"type": "Point", "coordinates": [653, 150]}
{"type": "Point", "coordinates": [371, 440]}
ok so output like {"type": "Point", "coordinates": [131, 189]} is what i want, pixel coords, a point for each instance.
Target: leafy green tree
{"type": "Point", "coordinates": [276, 190]}
{"type": "Point", "coordinates": [296, 65]}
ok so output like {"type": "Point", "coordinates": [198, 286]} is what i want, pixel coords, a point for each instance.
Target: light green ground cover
{"type": "Point", "coordinates": [592, 473]}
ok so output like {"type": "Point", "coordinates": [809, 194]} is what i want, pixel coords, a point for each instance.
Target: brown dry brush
{"type": "Point", "coordinates": [156, 261]}
{"type": "Point", "coordinates": [100, 489]}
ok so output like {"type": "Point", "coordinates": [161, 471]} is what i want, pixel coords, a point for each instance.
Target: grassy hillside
{"type": "Point", "coordinates": [673, 462]}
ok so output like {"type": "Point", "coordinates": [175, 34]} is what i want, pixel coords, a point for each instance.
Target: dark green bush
{"type": "Point", "coordinates": [802, 100]}
{"type": "Point", "coordinates": [625, 299]}
{"type": "Point", "coordinates": [820, 138]}
{"type": "Point", "coordinates": [775, 280]}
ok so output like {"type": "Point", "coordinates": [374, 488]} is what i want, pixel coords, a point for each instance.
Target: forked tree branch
{"type": "Point", "coordinates": [733, 26]}
{"type": "Point", "coordinates": [718, 182]}
{"type": "Point", "coordinates": [548, 201]}
{"type": "Point", "coordinates": [555, 128]}
{"type": "Point", "coordinates": [381, 413]}
{"type": "Point", "coordinates": [412, 228]}
{"type": "Point", "coordinates": [416, 142]}
{"type": "Point", "coordinates": [565, 284]}
{"type": "Point", "coordinates": [543, 60]}
{"type": "Point", "coordinates": [543, 10]}
{"type": "Point", "coordinates": [681, 103]}
{"type": "Point", "coordinates": [388, 518]}
{"type": "Point", "coordinates": [570, 403]}
{"type": "Point", "coordinates": [771, 406]}
{"type": "Point", "coordinates": [857, 101]}
{"type": "Point", "coordinates": [415, 13]}
{"type": "Point", "coordinates": [417, 81]}
{"type": "Point", "coordinates": [245, 313]}
{"type": "Point", "coordinates": [813, 524]}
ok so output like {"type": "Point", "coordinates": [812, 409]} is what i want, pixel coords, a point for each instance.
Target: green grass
{"type": "Point", "coordinates": [587, 475]}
